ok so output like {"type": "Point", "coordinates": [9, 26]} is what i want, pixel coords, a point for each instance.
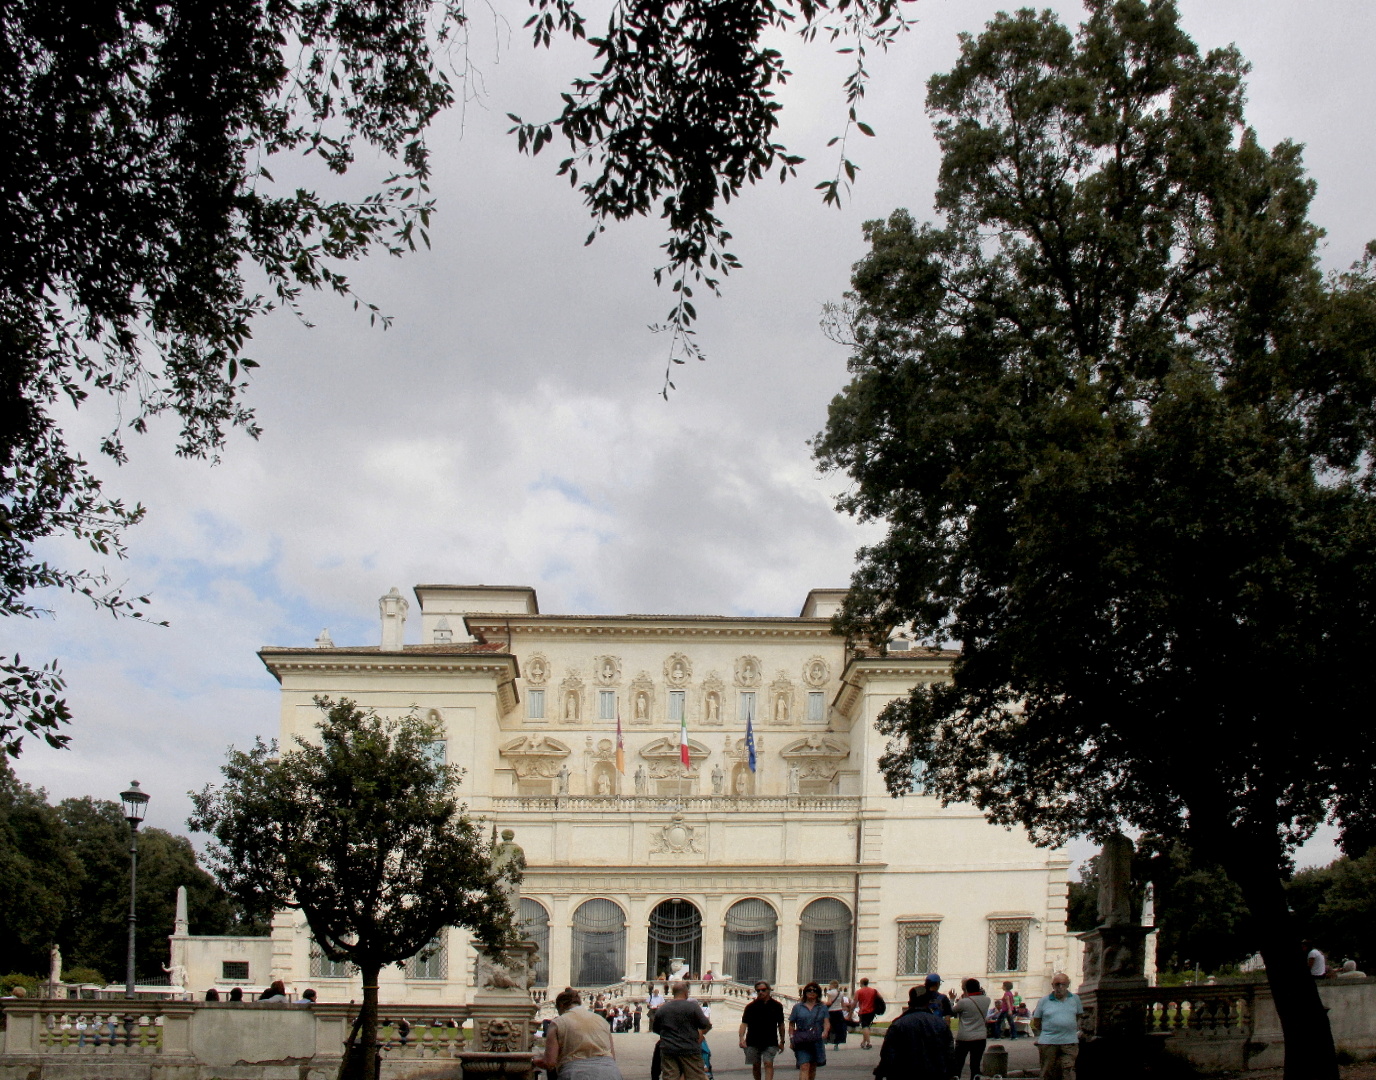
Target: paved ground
{"type": "Point", "coordinates": [728, 1060]}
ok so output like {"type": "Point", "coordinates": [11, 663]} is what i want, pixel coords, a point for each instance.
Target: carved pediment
{"type": "Point", "coordinates": [817, 757]}
{"type": "Point", "coordinates": [663, 756]}
{"type": "Point", "coordinates": [535, 755]}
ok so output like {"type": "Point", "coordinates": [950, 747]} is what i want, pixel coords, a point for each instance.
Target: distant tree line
{"type": "Point", "coordinates": [1202, 920]}
{"type": "Point", "coordinates": [64, 876]}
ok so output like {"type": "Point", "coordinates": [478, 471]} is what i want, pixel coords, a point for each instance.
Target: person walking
{"type": "Point", "coordinates": [636, 1017]}
{"type": "Point", "coordinates": [762, 1031]}
{"type": "Point", "coordinates": [866, 1000]}
{"type": "Point", "coordinates": [578, 1042]}
{"type": "Point", "coordinates": [808, 1022]}
{"type": "Point", "coordinates": [680, 1025]}
{"type": "Point", "coordinates": [917, 1045]}
{"type": "Point", "coordinates": [1056, 1025]}
{"type": "Point", "coordinates": [1005, 1006]}
{"type": "Point", "coordinates": [971, 1036]}
{"type": "Point", "coordinates": [837, 1007]}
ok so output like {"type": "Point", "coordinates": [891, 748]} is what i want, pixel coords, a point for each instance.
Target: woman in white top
{"type": "Point", "coordinates": [837, 1007]}
{"type": "Point", "coordinates": [971, 1011]}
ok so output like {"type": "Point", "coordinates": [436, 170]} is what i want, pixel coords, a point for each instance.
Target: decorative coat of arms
{"type": "Point", "coordinates": [675, 838]}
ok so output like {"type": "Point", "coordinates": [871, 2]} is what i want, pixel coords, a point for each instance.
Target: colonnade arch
{"type": "Point", "coordinates": [675, 934]}
{"type": "Point", "coordinates": [824, 933]}
{"type": "Point", "coordinates": [751, 941]}
{"type": "Point", "coordinates": [534, 920]}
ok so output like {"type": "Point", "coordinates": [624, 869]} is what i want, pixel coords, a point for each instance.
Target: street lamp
{"type": "Point", "coordinates": [135, 804]}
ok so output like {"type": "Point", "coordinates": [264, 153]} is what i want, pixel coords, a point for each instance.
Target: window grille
{"type": "Point", "coordinates": [747, 710]}
{"type": "Point", "coordinates": [816, 706]}
{"type": "Point", "coordinates": [606, 704]}
{"type": "Point", "coordinates": [324, 968]}
{"type": "Point", "coordinates": [1008, 944]}
{"type": "Point", "coordinates": [677, 703]}
{"type": "Point", "coordinates": [917, 942]}
{"type": "Point", "coordinates": [675, 933]}
{"type": "Point", "coordinates": [599, 943]}
{"type": "Point", "coordinates": [234, 971]}
{"type": "Point", "coordinates": [432, 962]}
{"type": "Point", "coordinates": [535, 704]}
{"type": "Point", "coordinates": [751, 944]}
{"type": "Point", "coordinates": [535, 927]}
{"type": "Point", "coordinates": [824, 942]}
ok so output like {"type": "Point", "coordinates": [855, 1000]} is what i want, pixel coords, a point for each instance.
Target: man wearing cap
{"type": "Point", "coordinates": [1056, 1025]}
{"type": "Point", "coordinates": [931, 998]}
{"type": "Point", "coordinates": [917, 1045]}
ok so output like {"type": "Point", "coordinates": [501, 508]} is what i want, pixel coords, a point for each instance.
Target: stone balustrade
{"type": "Point", "coordinates": [727, 804]}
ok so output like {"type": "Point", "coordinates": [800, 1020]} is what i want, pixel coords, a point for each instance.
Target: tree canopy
{"type": "Point", "coordinates": [363, 833]}
{"type": "Point", "coordinates": [1119, 425]}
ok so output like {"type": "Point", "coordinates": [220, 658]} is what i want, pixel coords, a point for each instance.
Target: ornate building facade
{"type": "Point", "coordinates": [802, 867]}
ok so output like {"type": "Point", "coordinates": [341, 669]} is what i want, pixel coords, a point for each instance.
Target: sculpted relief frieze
{"type": "Point", "coordinates": [535, 756]}
{"type": "Point", "coordinates": [662, 757]}
{"type": "Point", "coordinates": [817, 757]}
{"type": "Point", "coordinates": [675, 838]}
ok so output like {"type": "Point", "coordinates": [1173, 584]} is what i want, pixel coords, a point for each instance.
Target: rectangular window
{"type": "Point", "coordinates": [747, 711]}
{"type": "Point", "coordinates": [438, 749]}
{"type": "Point", "coordinates": [234, 971]}
{"type": "Point", "coordinates": [917, 947]}
{"type": "Point", "coordinates": [432, 962]}
{"type": "Point", "coordinates": [535, 704]}
{"type": "Point", "coordinates": [322, 968]}
{"type": "Point", "coordinates": [606, 704]}
{"type": "Point", "coordinates": [677, 703]}
{"type": "Point", "coordinates": [1008, 944]}
{"type": "Point", "coordinates": [816, 706]}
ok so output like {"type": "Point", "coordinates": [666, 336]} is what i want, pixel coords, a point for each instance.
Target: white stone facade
{"type": "Point", "coordinates": [811, 839]}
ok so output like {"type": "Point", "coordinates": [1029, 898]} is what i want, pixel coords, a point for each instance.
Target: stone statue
{"type": "Point", "coordinates": [55, 965]}
{"type": "Point", "coordinates": [562, 780]}
{"type": "Point", "coordinates": [642, 706]}
{"type": "Point", "coordinates": [176, 974]}
{"type": "Point", "coordinates": [713, 709]}
{"type": "Point", "coordinates": [1115, 882]}
{"type": "Point", "coordinates": [508, 861]}
{"type": "Point", "coordinates": [718, 779]}
{"type": "Point", "coordinates": [571, 705]}
{"type": "Point", "coordinates": [742, 782]}
{"type": "Point", "coordinates": [781, 710]}
{"type": "Point", "coordinates": [642, 780]}
{"type": "Point", "coordinates": [793, 778]}
{"type": "Point", "coordinates": [604, 784]}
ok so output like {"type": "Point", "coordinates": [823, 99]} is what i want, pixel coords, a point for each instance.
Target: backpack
{"type": "Point", "coordinates": [880, 1006]}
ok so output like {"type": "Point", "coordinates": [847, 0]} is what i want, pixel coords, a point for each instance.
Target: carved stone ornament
{"type": "Point", "coordinates": [642, 699]}
{"type": "Point", "coordinates": [678, 670]}
{"type": "Point", "coordinates": [606, 750]}
{"type": "Point", "coordinates": [818, 757]}
{"type": "Point", "coordinates": [535, 756]}
{"type": "Point", "coordinates": [748, 671]}
{"type": "Point", "coordinates": [662, 755]}
{"type": "Point", "coordinates": [816, 672]}
{"type": "Point", "coordinates": [571, 698]}
{"type": "Point", "coordinates": [537, 670]}
{"type": "Point", "coordinates": [500, 1037]}
{"type": "Point", "coordinates": [738, 751]}
{"type": "Point", "coordinates": [606, 670]}
{"type": "Point", "coordinates": [503, 971]}
{"type": "Point", "coordinates": [675, 838]}
{"type": "Point", "coordinates": [781, 711]}
{"type": "Point", "coordinates": [713, 698]}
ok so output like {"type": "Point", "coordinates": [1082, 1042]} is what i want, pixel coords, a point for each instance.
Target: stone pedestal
{"type": "Point", "coordinates": [1115, 957]}
{"type": "Point", "coordinates": [496, 1066]}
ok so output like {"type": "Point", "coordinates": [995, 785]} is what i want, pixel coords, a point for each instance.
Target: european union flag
{"type": "Point", "coordinates": [750, 742]}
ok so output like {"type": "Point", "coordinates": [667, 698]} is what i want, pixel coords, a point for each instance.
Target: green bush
{"type": "Point", "coordinates": [83, 975]}
{"type": "Point", "coordinates": [13, 979]}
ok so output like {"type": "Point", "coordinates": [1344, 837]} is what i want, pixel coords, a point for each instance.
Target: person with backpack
{"type": "Point", "coordinates": [971, 1036]}
{"type": "Point", "coordinates": [870, 1003]}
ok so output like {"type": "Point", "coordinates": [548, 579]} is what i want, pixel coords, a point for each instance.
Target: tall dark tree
{"type": "Point", "coordinates": [1120, 427]}
{"type": "Point", "coordinates": [362, 832]}
{"type": "Point", "coordinates": [142, 232]}
{"type": "Point", "coordinates": [37, 876]}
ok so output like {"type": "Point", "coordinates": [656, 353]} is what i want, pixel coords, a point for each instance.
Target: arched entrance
{"type": "Point", "coordinates": [752, 937]}
{"type": "Point", "coordinates": [824, 942]}
{"type": "Point", "coordinates": [599, 943]}
{"type": "Point", "coordinates": [535, 927]}
{"type": "Point", "coordinates": [675, 933]}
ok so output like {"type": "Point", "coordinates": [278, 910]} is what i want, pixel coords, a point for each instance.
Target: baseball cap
{"type": "Point", "coordinates": [933, 979]}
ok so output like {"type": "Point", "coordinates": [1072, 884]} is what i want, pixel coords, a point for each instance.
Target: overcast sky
{"type": "Point", "coordinates": [507, 429]}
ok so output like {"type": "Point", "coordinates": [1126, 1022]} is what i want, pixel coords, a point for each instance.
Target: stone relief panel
{"type": "Point", "coordinates": [817, 757]}
{"type": "Point", "coordinates": [782, 709]}
{"type": "Point", "coordinates": [816, 673]}
{"type": "Point", "coordinates": [536, 670]}
{"type": "Point", "coordinates": [571, 698]}
{"type": "Point", "coordinates": [535, 756]}
{"type": "Point", "coordinates": [662, 756]}
{"type": "Point", "coordinates": [713, 694]}
{"type": "Point", "coordinates": [607, 670]}
{"type": "Point", "coordinates": [748, 672]}
{"type": "Point", "coordinates": [678, 670]}
{"type": "Point", "coordinates": [675, 838]}
{"type": "Point", "coordinates": [642, 699]}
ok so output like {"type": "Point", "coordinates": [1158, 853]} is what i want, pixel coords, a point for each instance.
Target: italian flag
{"type": "Point", "coordinates": [683, 740]}
{"type": "Point", "coordinates": [620, 746]}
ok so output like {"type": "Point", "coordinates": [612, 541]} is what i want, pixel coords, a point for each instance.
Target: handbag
{"type": "Point", "coordinates": [804, 1036]}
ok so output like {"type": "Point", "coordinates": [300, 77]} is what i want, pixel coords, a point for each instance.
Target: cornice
{"type": "Point", "coordinates": [861, 670]}
{"type": "Point", "coordinates": [501, 666]}
{"type": "Point", "coordinates": [496, 627]}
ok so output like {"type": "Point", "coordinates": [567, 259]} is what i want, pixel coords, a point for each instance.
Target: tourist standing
{"type": "Point", "coordinates": [762, 1032]}
{"type": "Point", "coordinates": [917, 1045]}
{"type": "Point", "coordinates": [807, 1031]}
{"type": "Point", "coordinates": [971, 1036]}
{"type": "Point", "coordinates": [656, 1000]}
{"type": "Point", "coordinates": [1056, 1025]}
{"type": "Point", "coordinates": [837, 1006]}
{"type": "Point", "coordinates": [635, 1018]}
{"type": "Point", "coordinates": [866, 997]}
{"type": "Point", "coordinates": [930, 997]}
{"type": "Point", "coordinates": [578, 1043]}
{"type": "Point", "coordinates": [1006, 1005]}
{"type": "Point", "coordinates": [681, 1024]}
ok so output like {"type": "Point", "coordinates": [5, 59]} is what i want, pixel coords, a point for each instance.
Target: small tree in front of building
{"type": "Point", "coordinates": [361, 831]}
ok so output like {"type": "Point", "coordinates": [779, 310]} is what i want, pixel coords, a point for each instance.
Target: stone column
{"type": "Point", "coordinates": [786, 977]}
{"type": "Point", "coordinates": [560, 944]}
{"type": "Point", "coordinates": [637, 934]}
{"type": "Point", "coordinates": [713, 935]}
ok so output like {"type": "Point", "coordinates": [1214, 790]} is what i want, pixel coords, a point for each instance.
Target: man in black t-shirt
{"type": "Point", "coordinates": [762, 1032]}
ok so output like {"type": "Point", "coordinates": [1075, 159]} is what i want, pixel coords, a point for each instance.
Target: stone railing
{"type": "Point", "coordinates": [730, 804]}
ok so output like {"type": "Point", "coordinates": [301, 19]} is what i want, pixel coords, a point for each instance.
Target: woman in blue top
{"type": "Point", "coordinates": [808, 1024]}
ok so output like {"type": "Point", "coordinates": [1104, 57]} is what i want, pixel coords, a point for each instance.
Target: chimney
{"type": "Point", "coordinates": [393, 608]}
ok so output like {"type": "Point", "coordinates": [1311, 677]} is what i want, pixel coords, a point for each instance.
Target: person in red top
{"type": "Point", "coordinates": [1005, 1015]}
{"type": "Point", "coordinates": [864, 1004]}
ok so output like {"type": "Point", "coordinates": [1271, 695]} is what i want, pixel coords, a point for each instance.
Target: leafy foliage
{"type": "Point", "coordinates": [1120, 428]}
{"type": "Point", "coordinates": [362, 832]}
{"type": "Point", "coordinates": [1336, 905]}
{"type": "Point", "coordinates": [37, 871]}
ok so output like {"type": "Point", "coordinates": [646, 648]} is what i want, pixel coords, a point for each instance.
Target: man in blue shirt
{"type": "Point", "coordinates": [1056, 1024]}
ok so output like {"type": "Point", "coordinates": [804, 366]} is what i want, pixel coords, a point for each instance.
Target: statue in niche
{"type": "Point", "coordinates": [742, 782]}
{"type": "Point", "coordinates": [608, 669]}
{"type": "Point", "coordinates": [571, 705]}
{"type": "Point", "coordinates": [562, 780]}
{"type": "Point", "coordinates": [781, 710]}
{"type": "Point", "coordinates": [793, 777]}
{"type": "Point", "coordinates": [604, 784]}
{"type": "Point", "coordinates": [718, 779]}
{"type": "Point", "coordinates": [679, 672]}
{"type": "Point", "coordinates": [713, 709]}
{"type": "Point", "coordinates": [508, 862]}
{"type": "Point", "coordinates": [642, 780]}
{"type": "Point", "coordinates": [642, 706]}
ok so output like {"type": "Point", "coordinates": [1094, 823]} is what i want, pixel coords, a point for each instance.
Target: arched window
{"type": "Point", "coordinates": [599, 943]}
{"type": "Point", "coordinates": [675, 934]}
{"type": "Point", "coordinates": [535, 927]}
{"type": "Point", "coordinates": [752, 938]}
{"type": "Point", "coordinates": [824, 942]}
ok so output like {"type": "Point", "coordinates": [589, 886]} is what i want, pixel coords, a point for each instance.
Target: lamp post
{"type": "Point", "coordinates": [135, 803]}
